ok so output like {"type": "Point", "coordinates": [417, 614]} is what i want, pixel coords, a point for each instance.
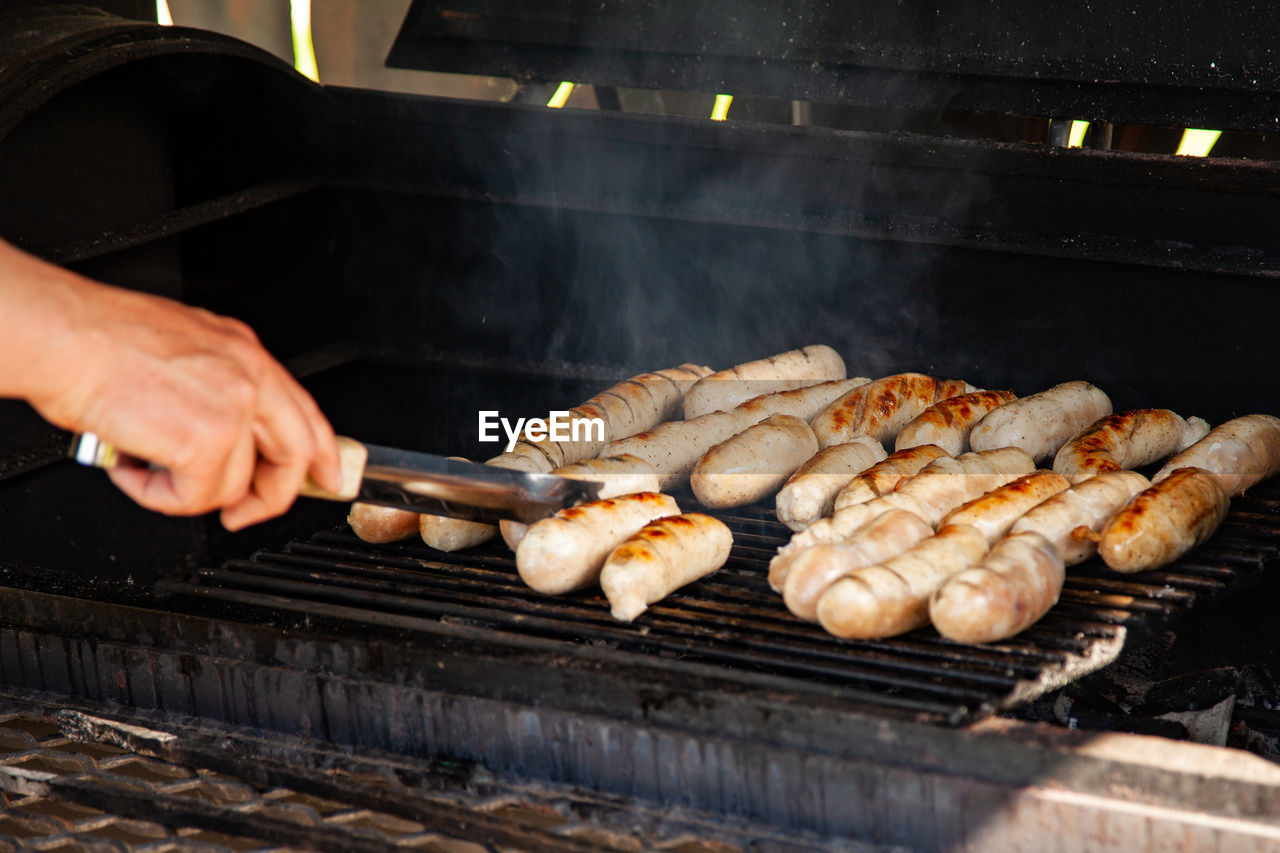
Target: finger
{"type": "Point", "coordinates": [325, 467]}
{"type": "Point", "coordinates": [151, 488]}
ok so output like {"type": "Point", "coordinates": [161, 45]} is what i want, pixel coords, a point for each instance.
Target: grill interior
{"type": "Point", "coordinates": [731, 625]}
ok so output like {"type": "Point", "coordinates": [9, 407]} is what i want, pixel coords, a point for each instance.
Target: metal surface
{"type": "Point", "coordinates": [455, 487]}
{"type": "Point", "coordinates": [733, 627]}
{"type": "Point", "coordinates": [71, 779]}
{"type": "Point", "coordinates": [1169, 63]}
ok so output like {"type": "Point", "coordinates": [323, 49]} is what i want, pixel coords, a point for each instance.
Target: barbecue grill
{"type": "Point", "coordinates": [416, 260]}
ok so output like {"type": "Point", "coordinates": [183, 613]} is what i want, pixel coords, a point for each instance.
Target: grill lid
{"type": "Point", "coordinates": [1179, 63]}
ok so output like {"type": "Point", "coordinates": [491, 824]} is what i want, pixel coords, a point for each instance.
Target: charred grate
{"type": "Point", "coordinates": [732, 626]}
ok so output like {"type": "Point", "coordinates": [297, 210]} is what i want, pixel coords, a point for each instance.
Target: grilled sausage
{"type": "Point", "coordinates": [1127, 440]}
{"type": "Point", "coordinates": [1043, 422]}
{"type": "Point", "coordinates": [996, 511]}
{"type": "Point", "coordinates": [663, 556]}
{"type": "Point", "coordinates": [804, 403]}
{"type": "Point", "coordinates": [883, 407]}
{"type": "Point", "coordinates": [378, 524]}
{"type": "Point", "coordinates": [754, 463]}
{"type": "Point", "coordinates": [630, 406]}
{"type": "Point", "coordinates": [878, 540]}
{"type": "Point", "coordinates": [893, 597]}
{"type": "Point", "coordinates": [617, 475]}
{"type": "Point", "coordinates": [1241, 452]}
{"type": "Point", "coordinates": [947, 424]}
{"type": "Point", "coordinates": [946, 483]}
{"type": "Point", "coordinates": [884, 476]}
{"type": "Point", "coordinates": [942, 485]}
{"type": "Point", "coordinates": [810, 493]}
{"type": "Point", "coordinates": [1072, 520]}
{"type": "Point", "coordinates": [453, 534]}
{"type": "Point", "coordinates": [566, 551]}
{"type": "Point", "coordinates": [722, 391]}
{"type": "Point", "coordinates": [1165, 521]}
{"type": "Point", "coordinates": [673, 448]}
{"type": "Point", "coordinates": [1006, 593]}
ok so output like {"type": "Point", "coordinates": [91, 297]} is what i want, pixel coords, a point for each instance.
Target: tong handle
{"type": "Point", "coordinates": [88, 449]}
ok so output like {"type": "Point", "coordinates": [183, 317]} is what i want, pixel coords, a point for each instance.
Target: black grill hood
{"type": "Point", "coordinates": [1181, 63]}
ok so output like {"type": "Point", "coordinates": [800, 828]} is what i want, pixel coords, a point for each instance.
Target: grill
{"type": "Point", "coordinates": [416, 260]}
{"type": "Point", "coordinates": [734, 628]}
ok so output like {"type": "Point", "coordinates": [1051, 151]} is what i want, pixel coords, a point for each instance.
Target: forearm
{"type": "Point", "coordinates": [39, 307]}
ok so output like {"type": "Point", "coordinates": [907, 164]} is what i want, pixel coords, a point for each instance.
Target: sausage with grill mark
{"type": "Point", "coordinates": [942, 485]}
{"type": "Point", "coordinates": [947, 424]}
{"type": "Point", "coordinates": [724, 390]}
{"type": "Point", "coordinates": [884, 476]}
{"type": "Point", "coordinates": [883, 407]}
{"type": "Point", "coordinates": [663, 556]}
{"type": "Point", "coordinates": [995, 512]}
{"type": "Point", "coordinates": [1072, 520]}
{"type": "Point", "coordinates": [893, 597]}
{"type": "Point", "coordinates": [673, 448]}
{"type": "Point", "coordinates": [566, 551]}
{"type": "Point", "coordinates": [1127, 440]}
{"type": "Point", "coordinates": [617, 475]}
{"type": "Point", "coordinates": [1165, 521]}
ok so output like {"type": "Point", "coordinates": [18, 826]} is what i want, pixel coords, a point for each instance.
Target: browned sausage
{"type": "Point", "coordinates": [884, 476]}
{"type": "Point", "coordinates": [996, 511]}
{"type": "Point", "coordinates": [948, 423]}
{"type": "Point", "coordinates": [1165, 521]}
{"type": "Point", "coordinates": [1126, 440]}
{"type": "Point", "coordinates": [883, 407]}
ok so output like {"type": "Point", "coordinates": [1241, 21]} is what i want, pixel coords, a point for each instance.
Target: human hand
{"type": "Point", "coordinates": [225, 426]}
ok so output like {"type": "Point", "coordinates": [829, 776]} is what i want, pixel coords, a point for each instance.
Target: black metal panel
{"type": "Point", "coordinates": [1181, 63]}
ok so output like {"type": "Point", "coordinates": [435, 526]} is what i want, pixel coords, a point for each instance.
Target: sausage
{"type": "Point", "coordinates": [940, 487]}
{"type": "Point", "coordinates": [754, 463]}
{"type": "Point", "coordinates": [996, 511]}
{"type": "Point", "coordinates": [883, 407]}
{"type": "Point", "coordinates": [884, 476]}
{"type": "Point", "coordinates": [1127, 440]}
{"type": "Point", "coordinates": [673, 448]}
{"type": "Point", "coordinates": [725, 389]}
{"type": "Point", "coordinates": [625, 408]}
{"type": "Point", "coordinates": [663, 556]}
{"type": "Point", "coordinates": [566, 551]}
{"type": "Point", "coordinates": [617, 475]}
{"type": "Point", "coordinates": [1165, 521]}
{"type": "Point", "coordinates": [804, 403]}
{"type": "Point", "coordinates": [1043, 422]}
{"type": "Point", "coordinates": [1073, 519]}
{"type": "Point", "coordinates": [947, 424]}
{"type": "Point", "coordinates": [377, 524]}
{"type": "Point", "coordinates": [816, 569]}
{"type": "Point", "coordinates": [893, 597]}
{"type": "Point", "coordinates": [1015, 585]}
{"type": "Point", "coordinates": [453, 534]}
{"type": "Point", "coordinates": [1241, 452]}
{"type": "Point", "coordinates": [946, 483]}
{"type": "Point", "coordinates": [810, 493]}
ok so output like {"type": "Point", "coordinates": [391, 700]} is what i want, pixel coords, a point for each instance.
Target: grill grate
{"type": "Point", "coordinates": [732, 626]}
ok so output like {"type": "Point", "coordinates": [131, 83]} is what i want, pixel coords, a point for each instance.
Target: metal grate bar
{"type": "Point", "coordinates": [733, 625]}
